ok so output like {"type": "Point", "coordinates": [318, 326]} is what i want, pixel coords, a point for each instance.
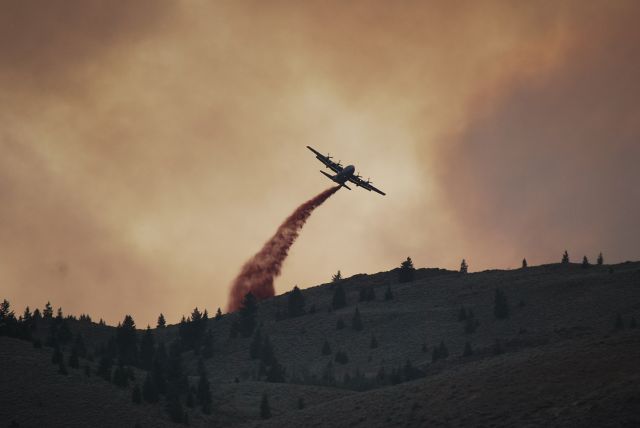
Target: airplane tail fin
{"type": "Point", "coordinates": [344, 185]}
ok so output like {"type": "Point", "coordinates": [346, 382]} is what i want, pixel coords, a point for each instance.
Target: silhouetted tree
{"type": "Point", "coordinates": [159, 368]}
{"type": "Point", "coordinates": [127, 341]}
{"type": "Point", "coordinates": [406, 271]}
{"type": "Point", "coordinates": [388, 295]}
{"type": "Point", "coordinates": [204, 389]}
{"type": "Point", "coordinates": [62, 368]}
{"type": "Point", "coordinates": [147, 349]}
{"type": "Point", "coordinates": [191, 400]}
{"type": "Point", "coordinates": [80, 346]}
{"type": "Point", "coordinates": [136, 395]}
{"type": "Point", "coordinates": [356, 322]}
{"type": "Point", "coordinates": [442, 350]}
{"type": "Point", "coordinates": [374, 342]}
{"type": "Point", "coordinates": [337, 277]}
{"type": "Point", "coordinates": [468, 351]}
{"type": "Point", "coordinates": [524, 263]}
{"type": "Point", "coordinates": [265, 409]}
{"type": "Point", "coordinates": [600, 260]}
{"type": "Point", "coordinates": [218, 315]}
{"type": "Point", "coordinates": [367, 294]}
{"type": "Point", "coordinates": [464, 267]}
{"type": "Point", "coordinates": [339, 324]}
{"type": "Point", "coordinates": [471, 324]}
{"type": "Point", "coordinates": [63, 333]}
{"type": "Point", "coordinates": [149, 389]}
{"type": "Point", "coordinates": [565, 258]}
{"type": "Point", "coordinates": [37, 316]}
{"type": "Point", "coordinates": [341, 357]}
{"type": "Point", "coordinates": [74, 361]}
{"type": "Point", "coordinates": [162, 323]}
{"type": "Point", "coordinates": [339, 297]}
{"type": "Point", "coordinates": [585, 262]}
{"type": "Point", "coordinates": [267, 355]}
{"type": "Point", "coordinates": [256, 345]}
{"type": "Point", "coordinates": [104, 367]}
{"type": "Point", "coordinates": [47, 312]}
{"type": "Point", "coordinates": [619, 322]}
{"type": "Point", "coordinates": [174, 407]}
{"type": "Point", "coordinates": [326, 348]}
{"type": "Point", "coordinates": [501, 306]}
{"type": "Point", "coordinates": [275, 372]}
{"type": "Point", "coordinates": [248, 312]}
{"type": "Point", "coordinates": [295, 303]}
{"type": "Point", "coordinates": [120, 376]}
{"type": "Point", "coordinates": [56, 356]}
{"type": "Point", "coordinates": [207, 344]}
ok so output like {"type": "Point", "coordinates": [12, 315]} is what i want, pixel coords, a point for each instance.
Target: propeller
{"type": "Point", "coordinates": [329, 156]}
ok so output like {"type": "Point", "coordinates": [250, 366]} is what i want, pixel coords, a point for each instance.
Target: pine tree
{"type": "Point", "coordinates": [337, 277]}
{"type": "Point", "coordinates": [275, 372]}
{"type": "Point", "coordinates": [256, 345]}
{"type": "Point", "coordinates": [619, 323]}
{"type": "Point", "coordinates": [468, 351]}
{"type": "Point", "coordinates": [565, 258]}
{"type": "Point", "coordinates": [341, 357]}
{"type": "Point", "coordinates": [464, 267]}
{"type": "Point", "coordinates": [47, 312]}
{"type": "Point", "coordinates": [600, 260]}
{"type": "Point", "coordinates": [339, 297]}
{"type": "Point", "coordinates": [501, 306]}
{"type": "Point", "coordinates": [585, 262]}
{"type": "Point", "coordinates": [127, 341]}
{"type": "Point", "coordinates": [162, 323]}
{"type": "Point", "coordinates": [120, 376]}
{"type": "Point", "coordinates": [443, 352]}
{"type": "Point", "coordinates": [74, 362]}
{"type": "Point", "coordinates": [374, 342]}
{"type": "Point", "coordinates": [462, 314]}
{"type": "Point", "coordinates": [159, 369]}
{"type": "Point", "coordinates": [56, 357]}
{"type": "Point", "coordinates": [267, 355]}
{"type": "Point", "coordinates": [207, 344]}
{"type": "Point", "coordinates": [356, 323]}
{"type": "Point", "coordinates": [149, 390]}
{"type": "Point", "coordinates": [248, 312]}
{"type": "Point", "coordinates": [524, 263]}
{"type": "Point", "coordinates": [300, 403]}
{"type": "Point", "coordinates": [204, 390]}
{"type": "Point", "coordinates": [80, 346]}
{"type": "Point", "coordinates": [218, 315]}
{"type": "Point", "coordinates": [326, 348]}
{"type": "Point", "coordinates": [191, 400]}
{"type": "Point", "coordinates": [62, 369]}
{"type": "Point", "coordinates": [136, 395]}
{"type": "Point", "coordinates": [174, 407]}
{"type": "Point", "coordinates": [388, 295]}
{"type": "Point", "coordinates": [147, 349]}
{"type": "Point", "coordinates": [406, 271]}
{"type": "Point", "coordinates": [265, 409]}
{"type": "Point", "coordinates": [295, 303]}
{"type": "Point", "coordinates": [104, 368]}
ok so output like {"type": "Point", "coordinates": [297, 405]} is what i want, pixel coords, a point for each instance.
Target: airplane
{"type": "Point", "coordinates": [344, 174]}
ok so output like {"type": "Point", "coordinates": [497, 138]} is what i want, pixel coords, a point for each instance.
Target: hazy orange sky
{"type": "Point", "coordinates": [150, 147]}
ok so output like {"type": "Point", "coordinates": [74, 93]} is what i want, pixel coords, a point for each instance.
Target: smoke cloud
{"type": "Point", "coordinates": [258, 273]}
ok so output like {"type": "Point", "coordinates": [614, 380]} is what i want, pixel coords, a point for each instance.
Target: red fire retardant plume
{"type": "Point", "coordinates": [258, 273]}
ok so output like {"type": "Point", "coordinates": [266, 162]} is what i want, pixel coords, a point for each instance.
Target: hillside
{"type": "Point", "coordinates": [561, 357]}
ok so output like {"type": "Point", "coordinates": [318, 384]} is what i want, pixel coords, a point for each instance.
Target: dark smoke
{"type": "Point", "coordinates": [258, 273]}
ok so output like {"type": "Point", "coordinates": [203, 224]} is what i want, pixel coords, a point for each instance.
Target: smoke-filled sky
{"type": "Point", "coordinates": [148, 148]}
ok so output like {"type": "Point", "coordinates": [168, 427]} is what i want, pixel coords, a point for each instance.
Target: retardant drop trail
{"type": "Point", "coordinates": [258, 273]}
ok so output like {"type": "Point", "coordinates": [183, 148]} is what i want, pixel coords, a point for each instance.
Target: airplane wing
{"type": "Point", "coordinates": [336, 167]}
{"type": "Point", "coordinates": [364, 184]}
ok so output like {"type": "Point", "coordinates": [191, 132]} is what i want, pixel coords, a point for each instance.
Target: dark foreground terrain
{"type": "Point", "coordinates": [566, 354]}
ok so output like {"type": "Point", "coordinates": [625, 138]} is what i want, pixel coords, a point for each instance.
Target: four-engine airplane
{"type": "Point", "coordinates": [344, 174]}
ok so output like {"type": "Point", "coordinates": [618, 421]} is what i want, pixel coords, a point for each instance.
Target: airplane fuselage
{"type": "Point", "coordinates": [344, 175]}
